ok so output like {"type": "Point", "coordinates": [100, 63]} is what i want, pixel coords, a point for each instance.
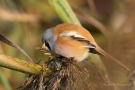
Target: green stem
{"type": "Point", "coordinates": [21, 65]}
{"type": "Point", "coordinates": [4, 81]}
{"type": "Point", "coordinates": [64, 11]}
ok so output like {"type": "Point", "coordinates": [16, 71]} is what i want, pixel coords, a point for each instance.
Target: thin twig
{"type": "Point", "coordinates": [92, 21]}
{"type": "Point", "coordinates": [16, 16]}
{"type": "Point", "coordinates": [8, 42]}
{"type": "Point", "coordinates": [92, 5]}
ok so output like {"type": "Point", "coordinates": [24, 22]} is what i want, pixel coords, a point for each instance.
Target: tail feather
{"type": "Point", "coordinates": [112, 58]}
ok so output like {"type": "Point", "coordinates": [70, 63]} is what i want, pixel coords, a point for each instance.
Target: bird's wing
{"type": "Point", "coordinates": [75, 36]}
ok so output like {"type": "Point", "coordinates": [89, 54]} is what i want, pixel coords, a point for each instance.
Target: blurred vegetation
{"type": "Point", "coordinates": [111, 22]}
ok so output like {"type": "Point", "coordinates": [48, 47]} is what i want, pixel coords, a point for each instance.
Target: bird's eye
{"type": "Point", "coordinates": [47, 44]}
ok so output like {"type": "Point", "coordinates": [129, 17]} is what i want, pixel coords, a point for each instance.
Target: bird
{"type": "Point", "coordinates": [71, 40]}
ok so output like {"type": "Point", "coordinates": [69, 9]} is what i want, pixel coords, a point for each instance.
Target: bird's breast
{"type": "Point", "coordinates": [71, 48]}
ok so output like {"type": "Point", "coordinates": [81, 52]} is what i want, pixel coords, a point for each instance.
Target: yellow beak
{"type": "Point", "coordinates": [43, 47]}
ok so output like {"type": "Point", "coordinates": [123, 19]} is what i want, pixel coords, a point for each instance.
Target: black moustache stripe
{"type": "Point", "coordinates": [47, 44]}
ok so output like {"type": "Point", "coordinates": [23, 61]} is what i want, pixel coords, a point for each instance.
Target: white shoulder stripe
{"type": "Point", "coordinates": [71, 33]}
{"type": "Point", "coordinates": [90, 46]}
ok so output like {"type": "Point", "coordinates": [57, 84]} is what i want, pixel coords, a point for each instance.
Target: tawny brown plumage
{"type": "Point", "coordinates": [73, 41]}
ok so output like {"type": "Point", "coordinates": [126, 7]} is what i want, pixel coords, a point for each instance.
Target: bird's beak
{"type": "Point", "coordinates": [43, 46]}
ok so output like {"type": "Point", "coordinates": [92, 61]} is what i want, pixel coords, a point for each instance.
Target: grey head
{"type": "Point", "coordinates": [48, 39]}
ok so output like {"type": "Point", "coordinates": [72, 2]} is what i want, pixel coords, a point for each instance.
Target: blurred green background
{"type": "Point", "coordinates": [111, 22]}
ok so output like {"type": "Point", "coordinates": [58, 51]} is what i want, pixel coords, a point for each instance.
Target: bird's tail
{"type": "Point", "coordinates": [101, 51]}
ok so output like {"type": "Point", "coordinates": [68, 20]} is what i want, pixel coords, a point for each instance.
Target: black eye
{"type": "Point", "coordinates": [47, 44]}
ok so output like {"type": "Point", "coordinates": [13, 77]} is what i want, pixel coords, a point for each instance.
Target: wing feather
{"type": "Point", "coordinates": [75, 36]}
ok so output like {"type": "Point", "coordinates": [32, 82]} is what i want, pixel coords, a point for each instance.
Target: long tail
{"type": "Point", "coordinates": [101, 51]}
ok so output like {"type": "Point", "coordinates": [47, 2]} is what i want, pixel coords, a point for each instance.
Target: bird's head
{"type": "Point", "coordinates": [48, 40]}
